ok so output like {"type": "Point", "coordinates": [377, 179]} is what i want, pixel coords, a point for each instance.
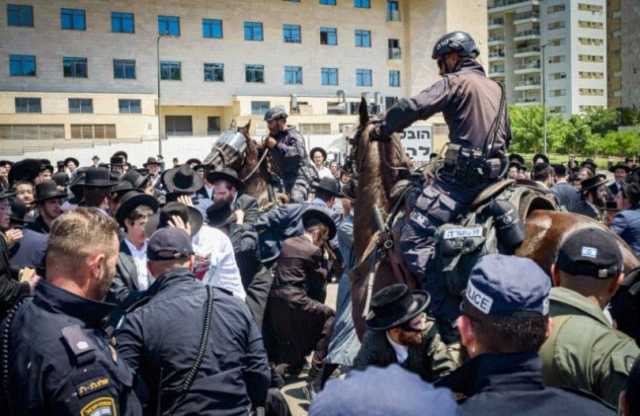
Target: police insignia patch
{"type": "Point", "coordinates": [102, 406]}
{"type": "Point", "coordinates": [92, 386]}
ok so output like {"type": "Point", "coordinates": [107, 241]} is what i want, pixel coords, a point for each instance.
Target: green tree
{"type": "Point", "coordinates": [601, 121]}
{"type": "Point", "coordinates": [526, 129]}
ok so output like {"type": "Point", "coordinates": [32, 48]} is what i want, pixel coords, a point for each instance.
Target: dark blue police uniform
{"type": "Point", "coordinates": [291, 160]}
{"type": "Point", "coordinates": [60, 360]}
{"type": "Point", "coordinates": [627, 225]}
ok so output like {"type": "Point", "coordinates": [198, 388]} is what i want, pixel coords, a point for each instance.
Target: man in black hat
{"type": "Point", "coordinates": [132, 275]}
{"type": "Point", "coordinates": [626, 223]}
{"type": "Point", "coordinates": [296, 323]}
{"type": "Point", "coordinates": [182, 184]}
{"type": "Point", "coordinates": [319, 157]}
{"type": "Point", "coordinates": [593, 197]}
{"type": "Point", "coordinates": [117, 164]}
{"type": "Point", "coordinates": [49, 200]}
{"type": "Point", "coordinates": [5, 167]}
{"type": "Point", "coordinates": [71, 164]}
{"type": "Point", "coordinates": [584, 351]}
{"type": "Point", "coordinates": [540, 158]}
{"type": "Point", "coordinates": [96, 185]}
{"type": "Point", "coordinates": [289, 155]}
{"type": "Point", "coordinates": [543, 174]}
{"type": "Point", "coordinates": [228, 190]}
{"type": "Point", "coordinates": [399, 331]}
{"type": "Point", "coordinates": [229, 376]}
{"type": "Point", "coordinates": [620, 172]}
{"type": "Point", "coordinates": [153, 167]}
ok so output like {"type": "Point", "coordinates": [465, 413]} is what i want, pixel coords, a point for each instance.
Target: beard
{"type": "Point", "coordinates": [410, 338]}
{"type": "Point", "coordinates": [104, 283]}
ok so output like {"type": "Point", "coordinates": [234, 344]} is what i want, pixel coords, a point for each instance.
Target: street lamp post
{"type": "Point", "coordinates": [544, 96]}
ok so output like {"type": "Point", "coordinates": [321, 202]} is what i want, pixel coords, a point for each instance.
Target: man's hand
{"type": "Point", "coordinates": [29, 275]}
{"type": "Point", "coordinates": [376, 135]}
{"type": "Point", "coordinates": [186, 200]}
{"type": "Point", "coordinates": [176, 222]}
{"type": "Point", "coordinates": [271, 142]}
{"type": "Point", "coordinates": [13, 236]}
{"type": "Point", "coordinates": [239, 216]}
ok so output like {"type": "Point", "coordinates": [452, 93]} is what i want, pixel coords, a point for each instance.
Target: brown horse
{"type": "Point", "coordinates": [236, 149]}
{"type": "Point", "coordinates": [378, 166]}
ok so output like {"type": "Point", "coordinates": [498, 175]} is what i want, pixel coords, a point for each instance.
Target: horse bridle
{"type": "Point", "coordinates": [353, 142]}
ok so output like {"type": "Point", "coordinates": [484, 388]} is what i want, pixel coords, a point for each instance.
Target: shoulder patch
{"type": "Point", "coordinates": [92, 386]}
{"type": "Point", "coordinates": [77, 340]}
{"type": "Point", "coordinates": [102, 406]}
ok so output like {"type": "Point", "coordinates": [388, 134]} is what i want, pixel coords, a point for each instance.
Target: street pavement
{"type": "Point", "coordinates": [293, 390]}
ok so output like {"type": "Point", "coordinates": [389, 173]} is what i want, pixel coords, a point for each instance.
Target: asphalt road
{"type": "Point", "coordinates": [293, 391]}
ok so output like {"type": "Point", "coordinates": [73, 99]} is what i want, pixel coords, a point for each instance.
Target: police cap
{"type": "Point", "coordinates": [169, 244]}
{"type": "Point", "coordinates": [275, 113]}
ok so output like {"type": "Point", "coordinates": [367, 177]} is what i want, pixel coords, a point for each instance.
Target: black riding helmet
{"type": "Point", "coordinates": [460, 42]}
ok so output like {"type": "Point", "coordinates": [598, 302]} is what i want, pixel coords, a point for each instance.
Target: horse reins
{"type": "Point", "coordinates": [255, 169]}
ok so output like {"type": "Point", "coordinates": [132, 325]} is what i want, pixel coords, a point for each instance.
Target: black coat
{"type": "Point", "coordinates": [511, 384]}
{"type": "Point", "coordinates": [249, 205]}
{"type": "Point", "coordinates": [61, 362]}
{"type": "Point", "coordinates": [125, 283]}
{"type": "Point", "coordinates": [10, 289]}
{"type": "Point", "coordinates": [164, 334]}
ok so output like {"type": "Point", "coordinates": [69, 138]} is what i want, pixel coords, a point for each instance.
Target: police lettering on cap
{"type": "Point", "coordinates": [501, 285]}
{"type": "Point", "coordinates": [169, 244]}
{"type": "Point", "coordinates": [590, 252]}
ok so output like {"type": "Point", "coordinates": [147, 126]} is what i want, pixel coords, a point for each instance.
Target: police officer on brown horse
{"type": "Point", "coordinates": [479, 133]}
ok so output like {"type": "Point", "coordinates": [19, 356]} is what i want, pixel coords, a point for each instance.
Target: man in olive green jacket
{"type": "Point", "coordinates": [584, 351]}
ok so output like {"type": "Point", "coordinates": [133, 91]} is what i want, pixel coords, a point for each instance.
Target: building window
{"type": "Point", "coordinates": [558, 93]}
{"type": "Point", "coordinates": [28, 105]}
{"type": "Point", "coordinates": [556, 59]}
{"type": "Point", "coordinates": [590, 25]}
{"type": "Point", "coordinates": [253, 31]}
{"type": "Point", "coordinates": [214, 72]}
{"type": "Point", "coordinates": [124, 69]}
{"type": "Point", "coordinates": [329, 76]}
{"type": "Point", "coordinates": [590, 8]}
{"type": "Point", "coordinates": [557, 8]}
{"type": "Point", "coordinates": [394, 49]}
{"type": "Point", "coordinates": [557, 42]}
{"type": "Point", "coordinates": [22, 66]}
{"type": "Point", "coordinates": [122, 22]}
{"type": "Point", "coordinates": [292, 33]}
{"type": "Point", "coordinates": [293, 75]}
{"type": "Point", "coordinates": [591, 58]}
{"type": "Point", "coordinates": [259, 108]}
{"type": "Point", "coordinates": [590, 75]}
{"type": "Point", "coordinates": [170, 71]}
{"type": "Point", "coordinates": [129, 106]}
{"type": "Point", "coordinates": [254, 73]}
{"type": "Point", "coordinates": [363, 38]}
{"type": "Point", "coordinates": [328, 2]}
{"type": "Point", "coordinates": [394, 78]}
{"type": "Point", "coordinates": [213, 125]}
{"type": "Point", "coordinates": [19, 15]}
{"type": "Point", "coordinates": [93, 131]}
{"type": "Point", "coordinates": [556, 25]}
{"type": "Point", "coordinates": [558, 75]}
{"type": "Point", "coordinates": [80, 105]}
{"type": "Point", "coordinates": [73, 19]}
{"type": "Point", "coordinates": [212, 28]}
{"type": "Point", "coordinates": [362, 4]}
{"type": "Point", "coordinates": [169, 25]}
{"type": "Point", "coordinates": [74, 67]}
{"type": "Point", "coordinates": [591, 41]}
{"type": "Point", "coordinates": [591, 91]}
{"type": "Point", "coordinates": [364, 78]}
{"type": "Point", "coordinates": [328, 36]}
{"type": "Point", "coordinates": [393, 11]}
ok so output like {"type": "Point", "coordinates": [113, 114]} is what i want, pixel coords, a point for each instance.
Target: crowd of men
{"type": "Point", "coordinates": [169, 291]}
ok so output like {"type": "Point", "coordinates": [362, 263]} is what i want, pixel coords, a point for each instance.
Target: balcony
{"type": "Point", "coordinates": [496, 23]}
{"type": "Point", "coordinates": [504, 5]}
{"type": "Point", "coordinates": [528, 84]}
{"type": "Point", "coordinates": [529, 51]}
{"type": "Point", "coordinates": [528, 68]}
{"type": "Point", "coordinates": [528, 101]}
{"type": "Point", "coordinates": [527, 34]}
{"type": "Point", "coordinates": [531, 16]}
{"type": "Point", "coordinates": [496, 71]}
{"type": "Point", "coordinates": [495, 40]}
{"type": "Point", "coordinates": [395, 53]}
{"type": "Point", "coordinates": [496, 56]}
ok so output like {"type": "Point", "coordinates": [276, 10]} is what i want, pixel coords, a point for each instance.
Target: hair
{"type": "Point", "coordinates": [560, 170]}
{"type": "Point", "coordinates": [93, 197]}
{"type": "Point", "coordinates": [77, 234]}
{"type": "Point", "coordinates": [141, 211]}
{"type": "Point", "coordinates": [23, 182]}
{"type": "Point", "coordinates": [510, 334]}
{"type": "Point", "coordinates": [324, 195]}
{"type": "Point", "coordinates": [585, 285]}
{"type": "Point", "coordinates": [542, 172]}
{"type": "Point", "coordinates": [314, 225]}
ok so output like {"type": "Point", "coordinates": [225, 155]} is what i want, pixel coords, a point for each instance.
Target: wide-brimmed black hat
{"type": "Point", "coordinates": [182, 179]}
{"type": "Point", "coordinates": [151, 161]}
{"type": "Point", "coordinates": [318, 149]}
{"type": "Point", "coordinates": [515, 157]}
{"type": "Point", "coordinates": [320, 214]}
{"type": "Point", "coordinates": [135, 178]}
{"type": "Point", "coordinates": [220, 214]}
{"type": "Point", "coordinates": [48, 190]}
{"type": "Point", "coordinates": [6, 162]}
{"type": "Point", "coordinates": [193, 161]}
{"type": "Point", "coordinates": [589, 163]}
{"type": "Point", "coordinates": [329, 185]}
{"type": "Point", "coordinates": [593, 182]}
{"type": "Point", "coordinates": [61, 179]}
{"type": "Point", "coordinates": [72, 159]}
{"type": "Point", "coordinates": [19, 211]}
{"type": "Point", "coordinates": [619, 165]}
{"type": "Point", "coordinates": [117, 161]}
{"type": "Point", "coordinates": [25, 170]}
{"type": "Point", "coordinates": [162, 217]}
{"type": "Point", "coordinates": [226, 174]}
{"type": "Point", "coordinates": [542, 156]}
{"type": "Point", "coordinates": [394, 305]}
{"type": "Point", "coordinates": [130, 201]}
{"type": "Point", "coordinates": [97, 178]}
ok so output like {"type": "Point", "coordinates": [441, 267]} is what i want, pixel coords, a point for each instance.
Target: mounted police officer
{"type": "Point", "coordinates": [57, 357]}
{"type": "Point", "coordinates": [289, 155]}
{"type": "Point", "coordinates": [479, 132]}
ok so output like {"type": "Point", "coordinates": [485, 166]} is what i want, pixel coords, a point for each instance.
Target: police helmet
{"type": "Point", "coordinates": [275, 113]}
{"type": "Point", "coordinates": [460, 42]}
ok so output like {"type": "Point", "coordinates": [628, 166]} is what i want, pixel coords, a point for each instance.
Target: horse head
{"type": "Point", "coordinates": [232, 149]}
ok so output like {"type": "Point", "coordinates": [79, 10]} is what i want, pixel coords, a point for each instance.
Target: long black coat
{"type": "Point", "coordinates": [10, 289]}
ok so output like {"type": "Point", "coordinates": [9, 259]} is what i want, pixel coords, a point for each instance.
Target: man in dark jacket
{"type": "Point", "coordinates": [474, 108]}
{"type": "Point", "coordinates": [566, 194]}
{"type": "Point", "coordinates": [228, 188]}
{"type": "Point", "coordinates": [593, 194]}
{"type": "Point", "coordinates": [192, 365]}
{"type": "Point", "coordinates": [627, 222]}
{"type": "Point", "coordinates": [289, 155]}
{"type": "Point", "coordinates": [398, 331]}
{"type": "Point", "coordinates": [505, 320]}
{"type": "Point", "coordinates": [49, 200]}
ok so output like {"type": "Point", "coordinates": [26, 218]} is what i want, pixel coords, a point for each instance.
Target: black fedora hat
{"type": "Point", "coordinates": [48, 190]}
{"type": "Point", "coordinates": [193, 161]}
{"type": "Point", "coordinates": [593, 182]}
{"type": "Point", "coordinates": [25, 170]}
{"type": "Point", "coordinates": [226, 174]}
{"type": "Point", "coordinates": [329, 185]}
{"type": "Point", "coordinates": [130, 201]}
{"type": "Point", "coordinates": [97, 178]}
{"type": "Point", "coordinates": [162, 217]}
{"type": "Point", "coordinates": [318, 149]}
{"type": "Point", "coordinates": [320, 214]}
{"type": "Point", "coordinates": [220, 215]}
{"type": "Point", "coordinates": [151, 161]}
{"type": "Point", "coordinates": [182, 179]}
{"type": "Point", "coordinates": [589, 163]}
{"type": "Point", "coordinates": [19, 212]}
{"type": "Point", "coordinates": [619, 165]}
{"type": "Point", "coordinates": [135, 178]}
{"type": "Point", "coordinates": [515, 157]}
{"type": "Point", "coordinates": [117, 161]}
{"type": "Point", "coordinates": [122, 188]}
{"type": "Point", "coordinates": [395, 305]}
{"type": "Point", "coordinates": [542, 156]}
{"type": "Point", "coordinates": [72, 159]}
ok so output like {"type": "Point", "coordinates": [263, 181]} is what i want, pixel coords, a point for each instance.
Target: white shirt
{"type": "Point", "coordinates": [402, 352]}
{"type": "Point", "coordinates": [216, 261]}
{"type": "Point", "coordinates": [140, 260]}
{"type": "Point", "coordinates": [324, 172]}
{"type": "Point", "coordinates": [208, 189]}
